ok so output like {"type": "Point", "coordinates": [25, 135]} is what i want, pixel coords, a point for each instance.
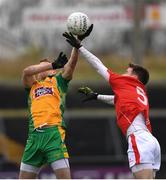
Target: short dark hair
{"type": "Point", "coordinates": [141, 72]}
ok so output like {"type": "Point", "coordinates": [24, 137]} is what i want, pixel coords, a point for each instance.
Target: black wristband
{"type": "Point", "coordinates": [54, 66]}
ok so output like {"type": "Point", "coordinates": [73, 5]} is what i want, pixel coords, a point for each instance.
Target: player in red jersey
{"type": "Point", "coordinates": [132, 110]}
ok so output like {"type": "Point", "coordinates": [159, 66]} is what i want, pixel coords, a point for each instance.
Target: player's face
{"type": "Point", "coordinates": [129, 72]}
{"type": "Point", "coordinates": [44, 74]}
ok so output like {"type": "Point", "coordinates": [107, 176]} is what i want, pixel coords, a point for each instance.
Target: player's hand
{"type": "Point", "coordinates": [60, 61]}
{"type": "Point", "coordinates": [86, 34]}
{"type": "Point", "coordinates": [89, 93]}
{"type": "Point", "coordinates": [72, 40]}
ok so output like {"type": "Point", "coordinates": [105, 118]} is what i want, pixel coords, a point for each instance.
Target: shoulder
{"type": "Point", "coordinates": [114, 77]}
{"type": "Point", "coordinates": [59, 77]}
{"type": "Point", "coordinates": [113, 74]}
{"type": "Point", "coordinates": [61, 83]}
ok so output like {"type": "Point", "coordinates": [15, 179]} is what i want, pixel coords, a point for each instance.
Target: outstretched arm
{"type": "Point", "coordinates": [91, 95]}
{"type": "Point", "coordinates": [109, 99]}
{"type": "Point", "coordinates": [69, 67]}
{"type": "Point", "coordinates": [95, 62]}
{"type": "Point", "coordinates": [92, 59]}
{"type": "Point", "coordinates": [28, 77]}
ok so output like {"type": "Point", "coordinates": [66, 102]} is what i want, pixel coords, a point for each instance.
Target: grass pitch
{"type": "Point", "coordinates": [11, 70]}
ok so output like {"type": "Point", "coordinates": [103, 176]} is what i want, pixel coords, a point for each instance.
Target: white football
{"type": "Point", "coordinates": [78, 23]}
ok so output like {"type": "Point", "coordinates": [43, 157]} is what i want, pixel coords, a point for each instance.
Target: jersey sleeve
{"type": "Point", "coordinates": [113, 77]}
{"type": "Point", "coordinates": [95, 63]}
{"type": "Point", "coordinates": [109, 99]}
{"type": "Point", "coordinates": [62, 83]}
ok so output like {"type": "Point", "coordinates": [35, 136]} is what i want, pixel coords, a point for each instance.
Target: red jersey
{"type": "Point", "coordinates": [130, 100]}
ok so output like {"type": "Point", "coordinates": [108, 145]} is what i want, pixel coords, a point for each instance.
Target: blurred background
{"type": "Point", "coordinates": [124, 31]}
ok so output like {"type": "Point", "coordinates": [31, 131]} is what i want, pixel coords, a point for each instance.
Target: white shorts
{"type": "Point", "coordinates": [144, 150]}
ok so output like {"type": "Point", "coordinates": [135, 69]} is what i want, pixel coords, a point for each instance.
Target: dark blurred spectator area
{"type": "Point", "coordinates": [93, 137]}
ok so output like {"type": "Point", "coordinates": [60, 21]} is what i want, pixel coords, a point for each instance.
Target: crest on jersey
{"type": "Point", "coordinates": [43, 91]}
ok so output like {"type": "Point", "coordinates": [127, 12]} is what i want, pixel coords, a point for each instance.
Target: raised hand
{"type": "Point", "coordinates": [60, 61]}
{"type": "Point", "coordinates": [89, 93]}
{"type": "Point", "coordinates": [86, 34]}
{"type": "Point", "coordinates": [72, 40]}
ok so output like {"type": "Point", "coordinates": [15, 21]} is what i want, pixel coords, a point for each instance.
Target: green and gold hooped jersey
{"type": "Point", "coordinates": [46, 102]}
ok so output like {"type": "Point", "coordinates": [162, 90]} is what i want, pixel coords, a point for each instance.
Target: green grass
{"type": "Point", "coordinates": [11, 70]}
{"type": "Point", "coordinates": [156, 66]}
